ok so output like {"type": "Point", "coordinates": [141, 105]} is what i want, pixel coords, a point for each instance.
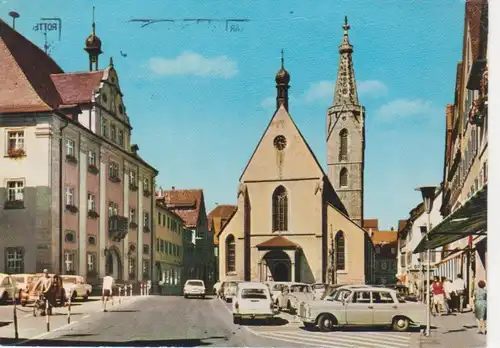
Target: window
{"type": "Point", "coordinates": [113, 170]}
{"type": "Point", "coordinates": [91, 262]}
{"type": "Point", "coordinates": [382, 297]}
{"type": "Point", "coordinates": [16, 140]}
{"type": "Point", "coordinates": [231, 254]}
{"type": "Point", "coordinates": [403, 259]}
{"type": "Point", "coordinates": [112, 209]}
{"type": "Point", "coordinates": [131, 268]}
{"type": "Point", "coordinates": [162, 246]}
{"type": "Point", "coordinates": [70, 195]}
{"type": "Point", "coordinates": [91, 202]}
{"type": "Point", "coordinates": [280, 209]}
{"type": "Point", "coordinates": [361, 297]}
{"type": "Point", "coordinates": [146, 219]}
{"type": "Point", "coordinates": [70, 237]}
{"type": "Point", "coordinates": [159, 218]}
{"type": "Point", "coordinates": [145, 267]}
{"type": "Point", "coordinates": [384, 265]}
{"type": "Point", "coordinates": [92, 158]}
{"type": "Point", "coordinates": [343, 145]}
{"type": "Point", "coordinates": [343, 177]}
{"type": "Point", "coordinates": [145, 249]}
{"type": "Point", "coordinates": [170, 247]}
{"type": "Point", "coordinates": [158, 244]}
{"type": "Point", "coordinates": [113, 132]}
{"type": "Point", "coordinates": [132, 178]}
{"type": "Point", "coordinates": [146, 185]}
{"type": "Point", "coordinates": [69, 262]}
{"type": "Point", "coordinates": [92, 240]}
{"type": "Point", "coordinates": [393, 251]}
{"type": "Point", "coordinates": [340, 250]}
{"type": "Point", "coordinates": [15, 191]}
{"type": "Point", "coordinates": [423, 229]}
{"type": "Point", "coordinates": [131, 215]}
{"type": "Point", "coordinates": [120, 137]}
{"type": "Point", "coordinates": [15, 260]}
{"type": "Point", "coordinates": [104, 127]}
{"type": "Point", "coordinates": [377, 249]}
{"type": "Point", "coordinates": [164, 218]}
{"type": "Point", "coordinates": [70, 147]}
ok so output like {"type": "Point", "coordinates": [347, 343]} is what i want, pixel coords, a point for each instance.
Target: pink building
{"type": "Point", "coordinates": [75, 196]}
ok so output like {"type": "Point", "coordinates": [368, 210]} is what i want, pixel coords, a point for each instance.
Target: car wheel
{"type": "Point", "coordinates": [400, 324]}
{"type": "Point", "coordinates": [185, 296]}
{"type": "Point", "coordinates": [326, 322]}
{"type": "Point", "coordinates": [86, 297]}
{"type": "Point", "coordinates": [73, 296]}
{"type": "Point", "coordinates": [308, 325]}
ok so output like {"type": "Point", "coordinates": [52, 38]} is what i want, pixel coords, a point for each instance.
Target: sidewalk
{"type": "Point", "coordinates": [457, 330]}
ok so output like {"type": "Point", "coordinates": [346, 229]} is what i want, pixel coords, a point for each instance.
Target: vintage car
{"type": "Point", "coordinates": [228, 290]}
{"type": "Point", "coordinates": [319, 289]}
{"type": "Point", "coordinates": [76, 286]}
{"type": "Point", "coordinates": [24, 283]}
{"type": "Point", "coordinates": [252, 301]}
{"type": "Point", "coordinates": [8, 291]}
{"type": "Point", "coordinates": [362, 306]}
{"type": "Point", "coordinates": [292, 294]}
{"type": "Point", "coordinates": [194, 287]}
{"type": "Point", "coordinates": [275, 288]}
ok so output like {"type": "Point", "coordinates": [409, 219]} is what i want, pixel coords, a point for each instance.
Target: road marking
{"type": "Point", "coordinates": [320, 344]}
{"type": "Point", "coordinates": [42, 335]}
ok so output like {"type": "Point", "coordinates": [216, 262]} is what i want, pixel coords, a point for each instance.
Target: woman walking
{"type": "Point", "coordinates": [480, 306]}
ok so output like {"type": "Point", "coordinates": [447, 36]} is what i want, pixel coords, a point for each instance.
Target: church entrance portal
{"type": "Point", "coordinates": [276, 266]}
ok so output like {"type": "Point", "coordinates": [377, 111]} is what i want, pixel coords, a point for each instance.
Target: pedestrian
{"type": "Point", "coordinates": [438, 294]}
{"type": "Point", "coordinates": [480, 306]}
{"type": "Point", "coordinates": [45, 284]}
{"type": "Point", "coordinates": [448, 290]}
{"type": "Point", "coordinates": [108, 284]}
{"type": "Point", "coordinates": [459, 287]}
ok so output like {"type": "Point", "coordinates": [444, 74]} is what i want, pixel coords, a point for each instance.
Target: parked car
{"type": "Point", "coordinates": [76, 286]}
{"type": "Point", "coordinates": [362, 306]}
{"type": "Point", "coordinates": [24, 282]}
{"type": "Point", "coordinates": [252, 301]}
{"type": "Point", "coordinates": [216, 288]}
{"type": "Point", "coordinates": [229, 290]}
{"type": "Point", "coordinates": [319, 289]}
{"type": "Point", "coordinates": [404, 292]}
{"type": "Point", "coordinates": [8, 290]}
{"type": "Point", "coordinates": [276, 288]}
{"type": "Point", "coordinates": [292, 294]}
{"type": "Point", "coordinates": [194, 287]}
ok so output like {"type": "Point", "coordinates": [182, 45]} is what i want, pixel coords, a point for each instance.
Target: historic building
{"type": "Point", "coordinates": [217, 219]}
{"type": "Point", "coordinates": [386, 265]}
{"type": "Point", "coordinates": [190, 206]}
{"type": "Point", "coordinates": [290, 224]}
{"type": "Point", "coordinates": [169, 249]}
{"type": "Point", "coordinates": [75, 196]}
{"type": "Point", "coordinates": [462, 237]}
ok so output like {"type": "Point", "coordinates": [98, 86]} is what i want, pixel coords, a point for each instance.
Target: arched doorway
{"type": "Point", "coordinates": [277, 266]}
{"type": "Point", "coordinates": [114, 263]}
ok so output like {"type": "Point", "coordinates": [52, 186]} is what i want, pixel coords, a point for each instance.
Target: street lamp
{"type": "Point", "coordinates": [428, 195]}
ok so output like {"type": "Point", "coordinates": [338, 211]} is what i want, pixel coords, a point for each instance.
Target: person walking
{"type": "Point", "coordinates": [448, 290]}
{"type": "Point", "coordinates": [45, 284]}
{"type": "Point", "coordinates": [480, 306]}
{"type": "Point", "coordinates": [438, 294]}
{"type": "Point", "coordinates": [459, 287]}
{"type": "Point", "coordinates": [108, 284]}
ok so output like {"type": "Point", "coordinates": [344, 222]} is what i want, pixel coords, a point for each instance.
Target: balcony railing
{"type": "Point", "coordinates": [118, 227]}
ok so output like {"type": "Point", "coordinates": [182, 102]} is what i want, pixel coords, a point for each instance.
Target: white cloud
{"type": "Point", "coordinates": [325, 90]}
{"type": "Point", "coordinates": [400, 108]}
{"type": "Point", "coordinates": [192, 63]}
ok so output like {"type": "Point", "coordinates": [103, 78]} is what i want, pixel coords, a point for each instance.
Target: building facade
{"type": "Point", "coordinates": [217, 219]}
{"type": "Point", "coordinates": [290, 224]}
{"type": "Point", "coordinates": [169, 253]}
{"type": "Point", "coordinates": [386, 265]}
{"type": "Point", "coordinates": [188, 260]}
{"type": "Point", "coordinates": [75, 195]}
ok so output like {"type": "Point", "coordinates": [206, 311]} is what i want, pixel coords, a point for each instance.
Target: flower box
{"type": "Point", "coordinates": [132, 225]}
{"type": "Point", "coordinates": [132, 187]}
{"type": "Point", "coordinates": [93, 169]}
{"type": "Point", "coordinates": [16, 152]}
{"type": "Point", "coordinates": [114, 179]}
{"type": "Point", "coordinates": [14, 204]}
{"type": "Point", "coordinates": [71, 159]}
{"type": "Point", "coordinates": [92, 214]}
{"type": "Point", "coordinates": [71, 208]}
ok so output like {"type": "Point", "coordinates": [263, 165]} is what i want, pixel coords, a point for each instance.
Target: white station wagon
{"type": "Point", "coordinates": [363, 306]}
{"type": "Point", "coordinates": [252, 301]}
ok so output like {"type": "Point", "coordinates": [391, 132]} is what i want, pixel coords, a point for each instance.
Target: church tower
{"type": "Point", "coordinates": [345, 135]}
{"type": "Point", "coordinates": [93, 46]}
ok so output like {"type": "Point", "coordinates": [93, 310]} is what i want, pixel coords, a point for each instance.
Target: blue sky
{"type": "Point", "coordinates": [199, 97]}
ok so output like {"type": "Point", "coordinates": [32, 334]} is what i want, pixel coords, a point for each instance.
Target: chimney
{"type": "Point", "coordinates": [173, 187]}
{"type": "Point", "coordinates": [134, 148]}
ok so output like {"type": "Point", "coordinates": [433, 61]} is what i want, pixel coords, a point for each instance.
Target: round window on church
{"type": "Point", "coordinates": [280, 142]}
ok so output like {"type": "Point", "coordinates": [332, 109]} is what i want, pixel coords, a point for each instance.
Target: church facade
{"type": "Point", "coordinates": [294, 222]}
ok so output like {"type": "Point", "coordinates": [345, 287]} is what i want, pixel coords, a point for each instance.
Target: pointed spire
{"type": "Point", "coordinates": [93, 20]}
{"type": "Point", "coordinates": [111, 61]}
{"type": "Point", "coordinates": [93, 45]}
{"type": "Point", "coordinates": [345, 88]}
{"type": "Point", "coordinates": [282, 84]}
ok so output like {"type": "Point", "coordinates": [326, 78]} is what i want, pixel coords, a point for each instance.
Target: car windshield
{"type": "Point", "coordinates": [253, 294]}
{"type": "Point", "coordinates": [195, 283]}
{"type": "Point", "coordinates": [341, 295]}
{"type": "Point", "coordinates": [71, 280]}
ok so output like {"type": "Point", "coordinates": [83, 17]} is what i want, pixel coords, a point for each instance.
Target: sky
{"type": "Point", "coordinates": [199, 96]}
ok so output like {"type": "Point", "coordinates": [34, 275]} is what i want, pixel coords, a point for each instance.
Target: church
{"type": "Point", "coordinates": [294, 221]}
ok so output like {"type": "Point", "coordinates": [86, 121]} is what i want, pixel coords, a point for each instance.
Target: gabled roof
{"type": "Point", "coordinates": [384, 237]}
{"type": "Point", "coordinates": [224, 212]}
{"type": "Point", "coordinates": [402, 224]}
{"type": "Point", "coordinates": [277, 242]}
{"type": "Point", "coordinates": [370, 223]}
{"type": "Point", "coordinates": [186, 204]}
{"type": "Point", "coordinates": [77, 88]}
{"type": "Point", "coordinates": [25, 75]}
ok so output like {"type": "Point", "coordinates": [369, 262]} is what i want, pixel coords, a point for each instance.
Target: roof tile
{"type": "Point", "coordinates": [77, 88]}
{"type": "Point", "coordinates": [370, 223]}
{"type": "Point", "coordinates": [186, 204]}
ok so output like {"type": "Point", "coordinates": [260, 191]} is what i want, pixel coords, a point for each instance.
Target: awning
{"type": "Point", "coordinates": [470, 219]}
{"type": "Point", "coordinates": [454, 255]}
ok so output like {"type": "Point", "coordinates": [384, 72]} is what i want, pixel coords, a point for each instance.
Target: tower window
{"type": "Point", "coordinates": [343, 177]}
{"type": "Point", "coordinates": [343, 145]}
{"type": "Point", "coordinates": [280, 209]}
{"type": "Point", "coordinates": [340, 251]}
